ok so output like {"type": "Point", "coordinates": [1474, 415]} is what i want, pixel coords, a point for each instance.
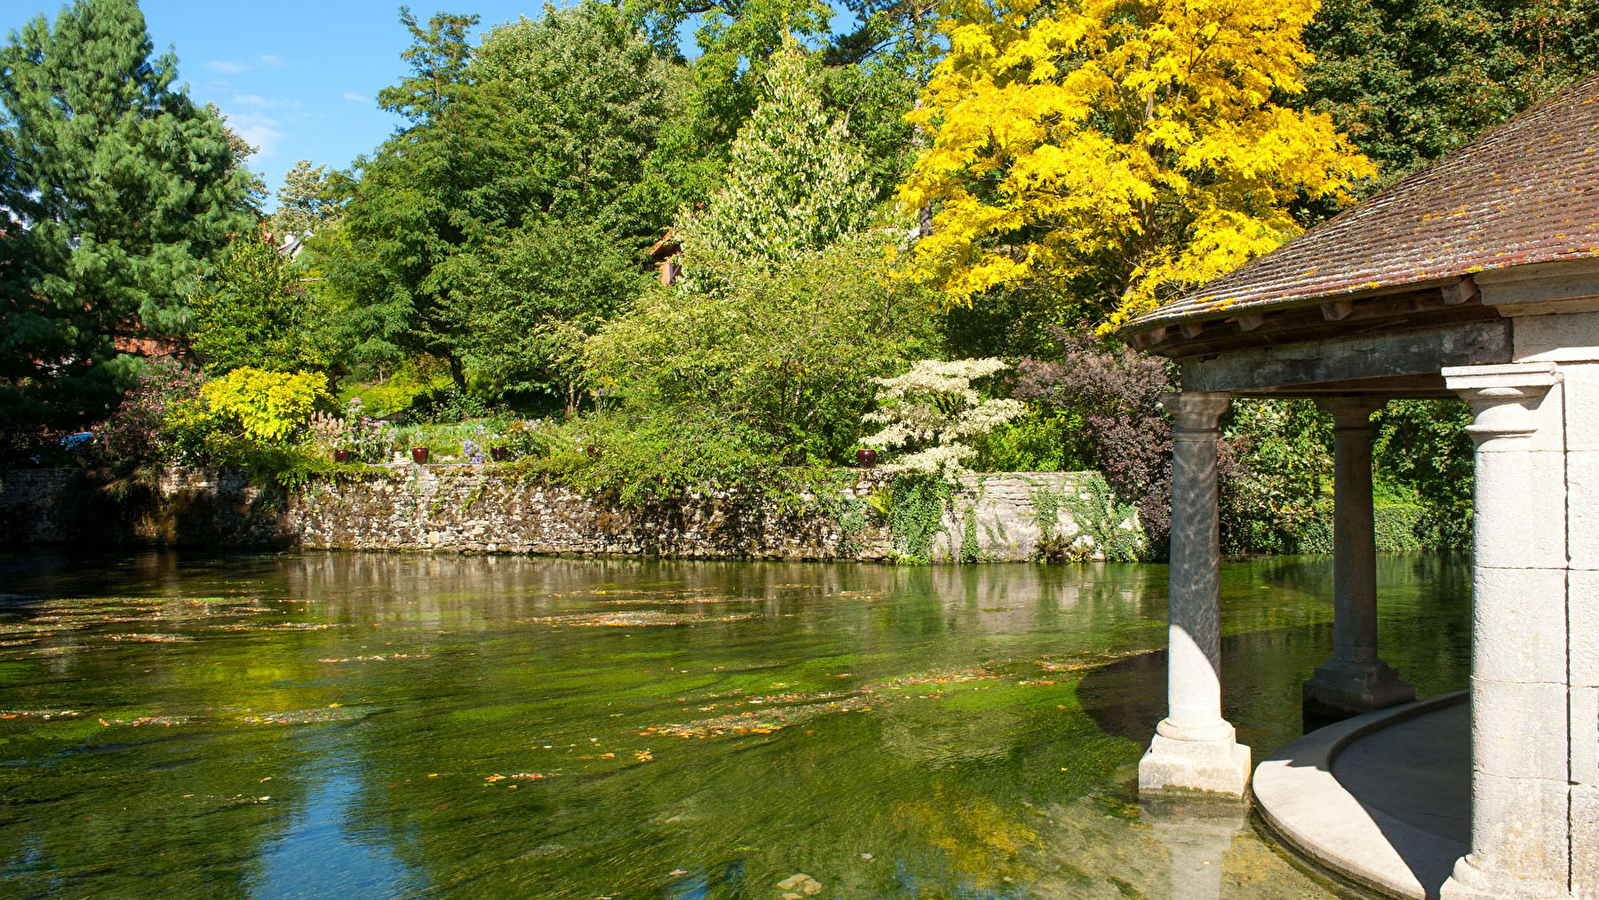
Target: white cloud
{"type": "Point", "coordinates": [353, 97]}
{"type": "Point", "coordinates": [276, 62]}
{"type": "Point", "coordinates": [260, 132]}
{"type": "Point", "coordinates": [226, 66]}
{"type": "Point", "coordinates": [259, 102]}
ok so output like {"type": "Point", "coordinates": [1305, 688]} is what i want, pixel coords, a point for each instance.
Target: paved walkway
{"type": "Point", "coordinates": [1381, 799]}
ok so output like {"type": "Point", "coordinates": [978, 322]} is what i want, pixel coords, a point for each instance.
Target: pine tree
{"type": "Point", "coordinates": [797, 180]}
{"type": "Point", "coordinates": [126, 191]}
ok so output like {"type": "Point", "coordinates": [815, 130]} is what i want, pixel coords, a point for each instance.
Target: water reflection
{"type": "Point", "coordinates": [324, 852]}
{"type": "Point", "coordinates": [1197, 835]}
{"type": "Point", "coordinates": [503, 727]}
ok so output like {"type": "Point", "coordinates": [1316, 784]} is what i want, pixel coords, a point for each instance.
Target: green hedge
{"type": "Point", "coordinates": [1401, 528]}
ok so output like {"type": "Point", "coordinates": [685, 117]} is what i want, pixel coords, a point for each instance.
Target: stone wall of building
{"type": "Point", "coordinates": [467, 508]}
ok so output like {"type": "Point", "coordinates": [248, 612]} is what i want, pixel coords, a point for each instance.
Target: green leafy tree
{"type": "Point", "coordinates": [548, 128]}
{"type": "Point", "coordinates": [797, 180]}
{"type": "Point", "coordinates": [127, 191]}
{"type": "Point", "coordinates": [533, 297]}
{"type": "Point", "coordinates": [307, 202]}
{"type": "Point", "coordinates": [258, 314]}
{"type": "Point", "coordinates": [736, 39]}
{"type": "Point", "coordinates": [1411, 80]}
{"type": "Point", "coordinates": [589, 96]}
{"type": "Point", "coordinates": [783, 355]}
{"type": "Point", "coordinates": [439, 56]}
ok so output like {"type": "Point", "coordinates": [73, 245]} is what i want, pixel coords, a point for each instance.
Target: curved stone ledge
{"type": "Point", "coordinates": [1370, 830]}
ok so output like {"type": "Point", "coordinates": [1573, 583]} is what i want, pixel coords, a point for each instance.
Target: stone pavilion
{"type": "Point", "coordinates": [1476, 278]}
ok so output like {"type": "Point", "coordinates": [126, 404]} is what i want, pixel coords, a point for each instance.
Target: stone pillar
{"type": "Point", "coordinates": [1194, 748]}
{"type": "Point", "coordinates": [1520, 753]}
{"type": "Point", "coordinates": [1354, 680]}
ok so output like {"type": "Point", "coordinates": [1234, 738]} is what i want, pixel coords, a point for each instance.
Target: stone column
{"type": "Point", "coordinates": [1194, 748]}
{"type": "Point", "coordinates": [1520, 759]}
{"type": "Point", "coordinates": [1354, 680]}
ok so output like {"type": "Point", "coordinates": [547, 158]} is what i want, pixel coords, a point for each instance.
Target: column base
{"type": "Point", "coordinates": [1212, 767]}
{"type": "Point", "coordinates": [1341, 689]}
{"type": "Point", "coordinates": [1471, 882]}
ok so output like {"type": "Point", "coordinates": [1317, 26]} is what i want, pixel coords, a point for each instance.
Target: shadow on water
{"type": "Point", "coordinates": [455, 727]}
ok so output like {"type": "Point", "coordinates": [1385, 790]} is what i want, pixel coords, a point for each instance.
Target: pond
{"type": "Point", "coordinates": [395, 726]}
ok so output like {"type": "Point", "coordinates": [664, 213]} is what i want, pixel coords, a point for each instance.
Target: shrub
{"type": "Point", "coordinates": [1041, 441]}
{"type": "Point", "coordinates": [932, 413]}
{"type": "Point", "coordinates": [1115, 394]}
{"type": "Point", "coordinates": [258, 314]}
{"type": "Point", "coordinates": [780, 357]}
{"type": "Point", "coordinates": [1280, 475]}
{"type": "Point", "coordinates": [369, 440]}
{"type": "Point", "coordinates": [137, 431]}
{"type": "Point", "coordinates": [535, 438]}
{"type": "Point", "coordinates": [1421, 447]}
{"type": "Point", "coordinates": [271, 407]}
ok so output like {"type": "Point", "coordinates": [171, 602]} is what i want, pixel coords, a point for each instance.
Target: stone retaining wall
{"type": "Point", "coordinates": [467, 508]}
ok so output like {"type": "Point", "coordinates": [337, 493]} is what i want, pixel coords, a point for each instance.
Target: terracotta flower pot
{"type": "Point", "coordinates": [497, 454]}
{"type": "Point", "coordinates": [342, 456]}
{"type": "Point", "coordinates": [419, 455]}
{"type": "Point", "coordinates": [866, 459]}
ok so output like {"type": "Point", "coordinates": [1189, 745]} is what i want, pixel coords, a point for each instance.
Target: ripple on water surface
{"type": "Point", "coordinates": [388, 726]}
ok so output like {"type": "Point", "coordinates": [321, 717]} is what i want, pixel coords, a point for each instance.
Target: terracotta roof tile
{"type": "Point", "coordinates": [1525, 192]}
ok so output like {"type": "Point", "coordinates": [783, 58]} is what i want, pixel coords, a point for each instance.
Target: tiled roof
{"type": "Point", "coordinates": [1525, 192]}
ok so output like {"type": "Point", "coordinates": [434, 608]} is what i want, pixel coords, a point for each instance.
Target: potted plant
{"type": "Point", "coordinates": [419, 455]}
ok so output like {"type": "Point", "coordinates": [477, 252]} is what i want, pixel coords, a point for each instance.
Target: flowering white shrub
{"type": "Point", "coordinates": [929, 412]}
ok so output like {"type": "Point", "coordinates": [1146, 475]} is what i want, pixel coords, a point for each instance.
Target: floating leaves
{"type": "Point", "coordinates": [150, 638]}
{"type": "Point", "coordinates": [45, 714]}
{"type": "Point", "coordinates": [639, 619]}
{"type": "Point", "coordinates": [377, 658]}
{"type": "Point", "coordinates": [316, 716]}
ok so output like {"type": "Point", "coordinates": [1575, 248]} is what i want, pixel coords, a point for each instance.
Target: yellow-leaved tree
{"type": "Point", "coordinates": [1119, 151]}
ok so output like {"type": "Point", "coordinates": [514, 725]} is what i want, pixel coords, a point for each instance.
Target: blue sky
{"type": "Point", "coordinates": [297, 79]}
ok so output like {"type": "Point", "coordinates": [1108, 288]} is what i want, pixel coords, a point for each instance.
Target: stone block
{"type": "Point", "coordinates": [1211, 767]}
{"type": "Point", "coordinates": [1582, 599]}
{"type": "Point", "coordinates": [1585, 842]}
{"type": "Point", "coordinates": [1529, 488]}
{"type": "Point", "coordinates": [1560, 338]}
{"type": "Point", "coordinates": [1518, 730]}
{"type": "Point", "coordinates": [1585, 736]}
{"type": "Point", "coordinates": [1519, 624]}
{"type": "Point", "coordinates": [1582, 405]}
{"type": "Point", "coordinates": [1582, 483]}
{"type": "Point", "coordinates": [1521, 842]}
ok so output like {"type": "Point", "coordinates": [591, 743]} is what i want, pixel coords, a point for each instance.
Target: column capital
{"type": "Point", "coordinates": [1196, 411]}
{"type": "Point", "coordinates": [1502, 397]}
{"type": "Point", "coordinates": [1351, 411]}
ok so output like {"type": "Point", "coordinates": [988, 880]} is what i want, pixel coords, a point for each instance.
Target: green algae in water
{"type": "Point", "coordinates": [412, 726]}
